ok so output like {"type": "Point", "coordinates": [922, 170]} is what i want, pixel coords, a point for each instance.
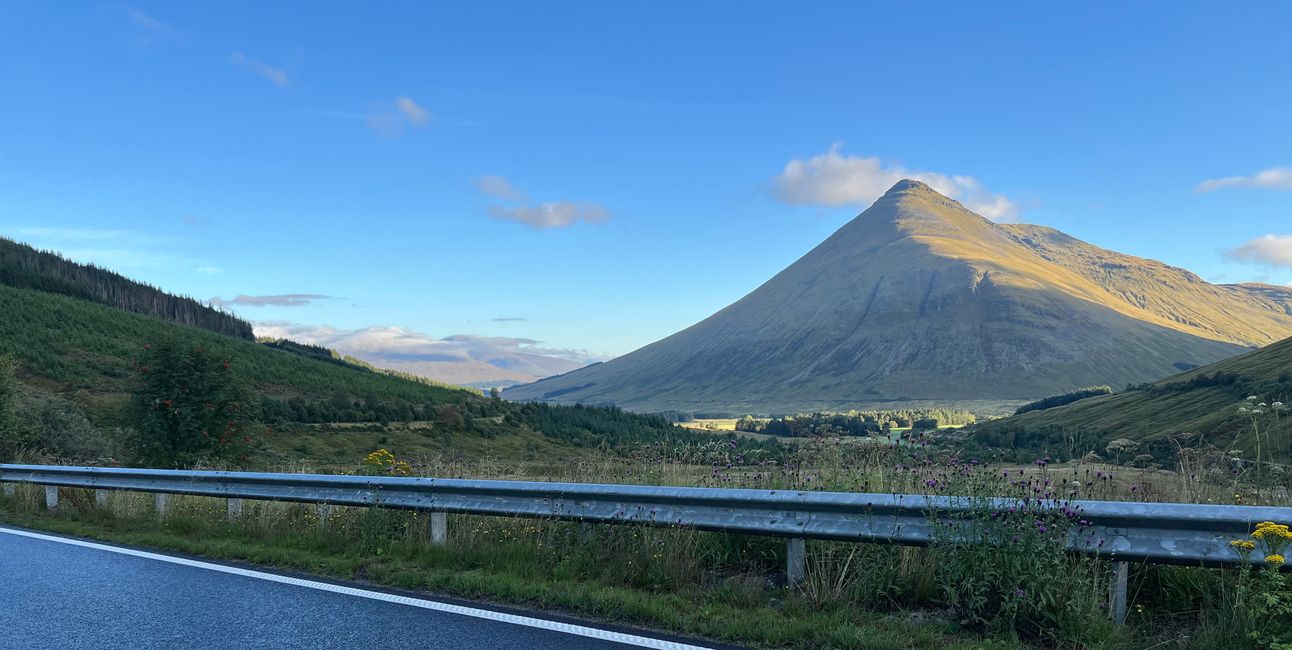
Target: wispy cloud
{"type": "Point", "coordinates": [110, 248]}
{"type": "Point", "coordinates": [508, 319]}
{"type": "Point", "coordinates": [83, 234]}
{"type": "Point", "coordinates": [415, 114]}
{"type": "Point", "coordinates": [553, 214]}
{"type": "Point", "coordinates": [147, 29]}
{"type": "Point", "coordinates": [391, 122]}
{"type": "Point", "coordinates": [1266, 250]}
{"type": "Point", "coordinates": [276, 76]}
{"type": "Point", "coordinates": [209, 270]}
{"type": "Point", "coordinates": [835, 179]}
{"type": "Point", "coordinates": [278, 300]}
{"type": "Point", "coordinates": [1275, 178]}
{"type": "Point", "coordinates": [143, 20]}
{"type": "Point", "coordinates": [540, 216]}
{"type": "Point", "coordinates": [500, 188]}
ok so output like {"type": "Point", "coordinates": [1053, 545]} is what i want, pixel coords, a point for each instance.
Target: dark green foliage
{"type": "Point", "coordinates": [316, 352]}
{"type": "Point", "coordinates": [25, 267]}
{"type": "Point", "coordinates": [189, 407]}
{"type": "Point", "coordinates": [610, 427]}
{"type": "Point", "coordinates": [14, 437]}
{"type": "Point", "coordinates": [1203, 380]}
{"type": "Point", "coordinates": [60, 429]}
{"type": "Point", "coordinates": [853, 423]}
{"type": "Point", "coordinates": [1066, 398]}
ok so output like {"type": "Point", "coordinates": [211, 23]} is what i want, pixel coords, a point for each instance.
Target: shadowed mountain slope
{"type": "Point", "coordinates": [920, 299]}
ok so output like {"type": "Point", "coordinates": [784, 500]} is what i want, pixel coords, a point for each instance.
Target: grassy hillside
{"type": "Point", "coordinates": [85, 352]}
{"type": "Point", "coordinates": [1204, 402]}
{"type": "Point", "coordinates": [85, 349]}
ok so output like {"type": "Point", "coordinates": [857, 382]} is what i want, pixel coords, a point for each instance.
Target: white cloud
{"type": "Point", "coordinates": [276, 76]}
{"type": "Point", "coordinates": [391, 124]}
{"type": "Point", "coordinates": [1267, 250]}
{"type": "Point", "coordinates": [143, 20]}
{"type": "Point", "coordinates": [118, 250]}
{"type": "Point", "coordinates": [1275, 178]}
{"type": "Point", "coordinates": [85, 235]}
{"type": "Point", "coordinates": [415, 114]}
{"type": "Point", "coordinates": [209, 270]}
{"type": "Point", "coordinates": [394, 345]}
{"type": "Point", "coordinates": [278, 300]}
{"type": "Point", "coordinates": [540, 216]}
{"type": "Point", "coordinates": [835, 179]}
{"type": "Point", "coordinates": [146, 29]}
{"type": "Point", "coordinates": [500, 188]}
{"type": "Point", "coordinates": [553, 214]}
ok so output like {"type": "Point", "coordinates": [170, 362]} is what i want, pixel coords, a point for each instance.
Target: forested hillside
{"type": "Point", "coordinates": [24, 267]}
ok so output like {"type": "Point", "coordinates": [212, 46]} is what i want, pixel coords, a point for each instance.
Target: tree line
{"type": "Point", "coordinates": [1065, 398]}
{"type": "Point", "coordinates": [25, 267]}
{"type": "Point", "coordinates": [854, 423]}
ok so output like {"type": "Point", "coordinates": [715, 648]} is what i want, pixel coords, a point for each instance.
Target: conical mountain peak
{"type": "Point", "coordinates": [918, 298]}
{"type": "Point", "coordinates": [914, 207]}
{"type": "Point", "coordinates": [910, 186]}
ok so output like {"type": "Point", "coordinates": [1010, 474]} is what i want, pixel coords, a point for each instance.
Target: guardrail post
{"type": "Point", "coordinates": [1117, 593]}
{"type": "Point", "coordinates": [232, 509]}
{"type": "Point", "coordinates": [51, 496]}
{"type": "Point", "coordinates": [161, 503]}
{"type": "Point", "coordinates": [10, 490]}
{"type": "Point", "coordinates": [101, 499]}
{"type": "Point", "coordinates": [795, 562]}
{"type": "Point", "coordinates": [439, 526]}
{"type": "Point", "coordinates": [324, 512]}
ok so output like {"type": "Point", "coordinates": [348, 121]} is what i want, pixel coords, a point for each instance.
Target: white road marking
{"type": "Point", "coordinates": [527, 621]}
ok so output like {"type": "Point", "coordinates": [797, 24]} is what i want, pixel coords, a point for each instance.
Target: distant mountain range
{"type": "Point", "coordinates": [464, 360]}
{"type": "Point", "coordinates": [919, 299]}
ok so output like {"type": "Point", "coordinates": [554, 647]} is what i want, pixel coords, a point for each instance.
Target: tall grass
{"type": "Point", "coordinates": [1007, 581]}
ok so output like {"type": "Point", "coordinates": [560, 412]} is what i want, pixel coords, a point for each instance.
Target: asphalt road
{"type": "Point", "coordinates": [55, 594]}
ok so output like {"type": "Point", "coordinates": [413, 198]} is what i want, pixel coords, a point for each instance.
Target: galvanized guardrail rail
{"type": "Point", "coordinates": [1119, 531]}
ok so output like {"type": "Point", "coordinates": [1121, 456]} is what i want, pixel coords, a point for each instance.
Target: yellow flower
{"type": "Point", "coordinates": [1274, 560]}
{"type": "Point", "coordinates": [1243, 544]}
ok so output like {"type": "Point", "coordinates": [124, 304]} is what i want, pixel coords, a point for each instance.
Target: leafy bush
{"type": "Point", "coordinates": [60, 429]}
{"type": "Point", "coordinates": [189, 407]}
{"type": "Point", "coordinates": [14, 435]}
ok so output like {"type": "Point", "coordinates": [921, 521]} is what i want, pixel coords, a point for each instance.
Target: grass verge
{"type": "Point", "coordinates": [360, 546]}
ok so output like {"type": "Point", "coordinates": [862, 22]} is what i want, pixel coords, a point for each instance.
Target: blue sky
{"type": "Point", "coordinates": [594, 176]}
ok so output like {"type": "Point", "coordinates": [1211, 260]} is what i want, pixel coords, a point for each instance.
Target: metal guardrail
{"type": "Point", "coordinates": [1120, 531]}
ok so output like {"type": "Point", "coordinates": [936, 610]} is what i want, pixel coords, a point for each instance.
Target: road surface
{"type": "Point", "coordinates": [67, 593]}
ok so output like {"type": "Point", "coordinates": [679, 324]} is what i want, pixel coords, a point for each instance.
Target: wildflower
{"type": "Point", "coordinates": [1274, 560]}
{"type": "Point", "coordinates": [1242, 545]}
